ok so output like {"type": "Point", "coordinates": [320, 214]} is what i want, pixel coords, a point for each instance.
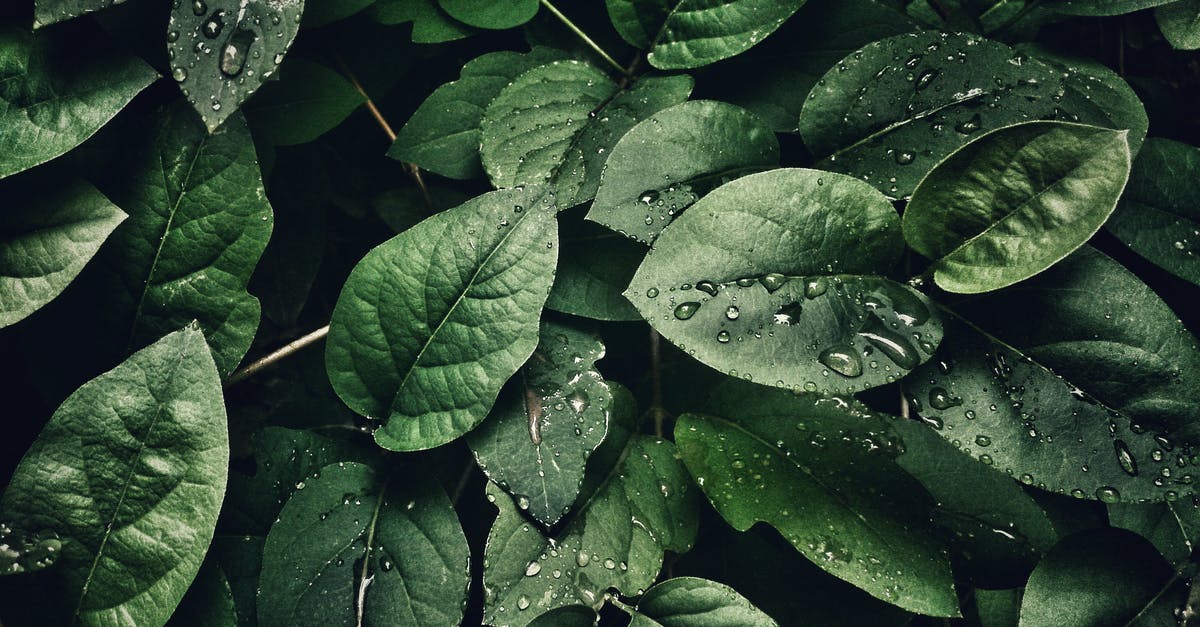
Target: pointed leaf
{"type": "Point", "coordinates": [1173, 528]}
{"type": "Point", "coordinates": [125, 482]}
{"type": "Point", "coordinates": [307, 100]}
{"type": "Point", "coordinates": [431, 323]}
{"type": "Point", "coordinates": [208, 602]}
{"type": "Point", "coordinates": [495, 14]}
{"type": "Point", "coordinates": [539, 436]}
{"type": "Point", "coordinates": [827, 479]}
{"type": "Point", "coordinates": [694, 602]}
{"type": "Point", "coordinates": [354, 548]}
{"type": "Point", "coordinates": [1180, 23]}
{"type": "Point", "coordinates": [667, 162]}
{"type": "Point", "coordinates": [60, 87]}
{"type": "Point", "coordinates": [1016, 201]}
{"type": "Point", "coordinates": [1102, 7]}
{"type": "Point", "coordinates": [222, 50]}
{"type": "Point", "coordinates": [591, 278]}
{"type": "Point", "coordinates": [50, 231]}
{"type": "Point", "coordinates": [431, 25]}
{"type": "Point", "coordinates": [773, 278]}
{"type": "Point", "coordinates": [46, 12]}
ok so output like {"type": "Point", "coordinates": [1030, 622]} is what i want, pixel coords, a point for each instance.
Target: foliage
{"type": "Point", "coordinates": [645, 312]}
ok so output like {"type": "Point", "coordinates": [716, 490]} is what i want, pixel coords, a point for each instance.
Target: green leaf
{"type": "Point", "coordinates": [125, 482]}
{"type": "Point", "coordinates": [774, 278]}
{"type": "Point", "coordinates": [49, 232]}
{"type": "Point", "coordinates": [442, 136]}
{"type": "Point", "coordinates": [47, 12]}
{"type": "Point", "coordinates": [683, 34]}
{"type": "Point", "coordinates": [694, 602]}
{"type": "Point", "coordinates": [432, 322]}
{"type": "Point", "coordinates": [568, 616]}
{"type": "Point", "coordinates": [430, 24]}
{"type": "Point", "coordinates": [1102, 7]}
{"type": "Point", "coordinates": [494, 14]}
{"type": "Point", "coordinates": [222, 51]}
{"type": "Point", "coordinates": [352, 547]}
{"type": "Point", "coordinates": [1015, 202]}
{"type": "Point", "coordinates": [1180, 23]}
{"type": "Point", "coordinates": [890, 111]}
{"type": "Point", "coordinates": [558, 121]}
{"type": "Point", "coordinates": [591, 278]}
{"type": "Point", "coordinates": [307, 100]}
{"type": "Point", "coordinates": [60, 87]}
{"type": "Point", "coordinates": [540, 434]}
{"type": "Point", "coordinates": [1101, 577]}
{"type": "Point", "coordinates": [1173, 528]}
{"type": "Point", "coordinates": [668, 161]}
{"type": "Point", "coordinates": [208, 602]}
{"type": "Point", "coordinates": [1159, 215]}
{"type": "Point", "coordinates": [240, 558]}
{"type": "Point", "coordinates": [997, 608]}
{"type": "Point", "coordinates": [632, 477]}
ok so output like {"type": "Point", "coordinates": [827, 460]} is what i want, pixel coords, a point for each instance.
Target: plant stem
{"type": "Point", "coordinates": [270, 359]}
{"type": "Point", "coordinates": [582, 35]}
{"type": "Point", "coordinates": [656, 396]}
{"type": "Point", "coordinates": [463, 479]}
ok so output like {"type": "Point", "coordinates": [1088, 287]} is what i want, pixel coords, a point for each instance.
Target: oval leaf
{"type": "Point", "coordinates": [1180, 23]}
{"type": "Point", "coordinates": [772, 278]}
{"type": "Point", "coordinates": [431, 323]}
{"type": "Point", "coordinates": [1016, 201]}
{"type": "Point", "coordinates": [590, 280]}
{"type": "Point", "coordinates": [139, 457]}
{"type": "Point", "coordinates": [695, 602]}
{"type": "Point", "coordinates": [494, 14]}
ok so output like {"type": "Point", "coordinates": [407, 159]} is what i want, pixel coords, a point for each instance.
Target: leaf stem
{"type": "Point", "coordinates": [656, 394]}
{"type": "Point", "coordinates": [463, 479]}
{"type": "Point", "coordinates": [296, 345]}
{"type": "Point", "coordinates": [582, 35]}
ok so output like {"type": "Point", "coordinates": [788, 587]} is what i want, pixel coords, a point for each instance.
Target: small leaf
{"type": "Point", "coordinates": [47, 235]}
{"type": "Point", "coordinates": [539, 436]}
{"type": "Point", "coordinates": [1180, 23]}
{"type": "Point", "coordinates": [222, 50]}
{"type": "Point", "coordinates": [668, 161]}
{"type": "Point", "coordinates": [1159, 215]}
{"type": "Point", "coordinates": [60, 87]}
{"type": "Point", "coordinates": [1102, 7]}
{"type": "Point", "coordinates": [694, 602]}
{"type": "Point", "coordinates": [138, 456]}
{"type": "Point", "coordinates": [430, 24]}
{"type": "Point", "coordinates": [827, 479]}
{"type": "Point", "coordinates": [590, 279]}
{"type": "Point", "coordinates": [431, 323]}
{"type": "Point", "coordinates": [494, 14]}
{"type": "Point", "coordinates": [1016, 201]}
{"type": "Point", "coordinates": [774, 278]}
{"type": "Point", "coordinates": [307, 100]}
{"type": "Point", "coordinates": [352, 547]}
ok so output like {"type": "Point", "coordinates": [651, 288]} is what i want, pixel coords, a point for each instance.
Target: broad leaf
{"type": "Point", "coordinates": [1016, 201]}
{"type": "Point", "coordinates": [1102, 7]}
{"type": "Point", "coordinates": [827, 479]}
{"type": "Point", "coordinates": [775, 278]}
{"type": "Point", "coordinates": [442, 136]}
{"type": "Point", "coordinates": [694, 602]}
{"type": "Point", "coordinates": [1180, 23]}
{"type": "Point", "coordinates": [667, 162]}
{"type": "Point", "coordinates": [60, 87]}
{"type": "Point", "coordinates": [221, 51]}
{"type": "Point", "coordinates": [1159, 215]}
{"type": "Point", "coordinates": [997, 608]}
{"type": "Point", "coordinates": [632, 477]}
{"type": "Point", "coordinates": [494, 14]}
{"type": "Point", "coordinates": [1173, 528]}
{"type": "Point", "coordinates": [683, 34]}
{"type": "Point", "coordinates": [123, 486]}
{"type": "Point", "coordinates": [430, 24]}
{"type": "Point", "coordinates": [431, 323]}
{"type": "Point", "coordinates": [539, 436]}
{"type": "Point", "coordinates": [591, 278]}
{"type": "Point", "coordinates": [47, 235]}
{"type": "Point", "coordinates": [352, 547]}
{"type": "Point", "coordinates": [1102, 577]}
{"type": "Point", "coordinates": [308, 100]}
{"type": "Point", "coordinates": [558, 121]}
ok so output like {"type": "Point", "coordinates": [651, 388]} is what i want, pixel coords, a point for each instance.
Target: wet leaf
{"type": "Point", "coordinates": [1180, 23]}
{"type": "Point", "coordinates": [1102, 7]}
{"type": "Point", "coordinates": [494, 14]}
{"type": "Point", "coordinates": [694, 602]}
{"type": "Point", "coordinates": [431, 25]}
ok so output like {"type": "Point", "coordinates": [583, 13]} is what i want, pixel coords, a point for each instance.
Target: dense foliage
{"type": "Point", "coordinates": [649, 312]}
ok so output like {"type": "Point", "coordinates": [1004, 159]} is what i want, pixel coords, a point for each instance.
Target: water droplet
{"type": "Point", "coordinates": [533, 568]}
{"type": "Point", "coordinates": [1125, 458]}
{"type": "Point", "coordinates": [708, 287]}
{"type": "Point", "coordinates": [522, 602]}
{"type": "Point", "coordinates": [773, 281]}
{"type": "Point", "coordinates": [926, 78]}
{"type": "Point", "coordinates": [214, 24]}
{"type": "Point", "coordinates": [233, 54]}
{"type": "Point", "coordinates": [966, 127]}
{"type": "Point", "coordinates": [686, 310]}
{"type": "Point", "coordinates": [940, 399]}
{"type": "Point", "coordinates": [523, 502]}
{"type": "Point", "coordinates": [648, 196]}
{"type": "Point", "coordinates": [723, 337]}
{"type": "Point", "coordinates": [582, 559]}
{"type": "Point", "coordinates": [983, 440]}
{"type": "Point", "coordinates": [843, 360]}
{"type": "Point", "coordinates": [652, 292]}
{"type": "Point", "coordinates": [815, 287]}
{"type": "Point", "coordinates": [199, 7]}
{"type": "Point", "coordinates": [179, 74]}
{"type": "Point", "coordinates": [895, 346]}
{"type": "Point", "coordinates": [903, 157]}
{"type": "Point", "coordinates": [1107, 494]}
{"type": "Point", "coordinates": [732, 313]}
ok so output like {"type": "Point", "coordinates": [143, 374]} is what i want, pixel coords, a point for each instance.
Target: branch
{"type": "Point", "coordinates": [241, 374]}
{"type": "Point", "coordinates": [582, 35]}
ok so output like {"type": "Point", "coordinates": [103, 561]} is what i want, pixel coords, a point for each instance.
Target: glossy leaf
{"type": "Point", "coordinates": [431, 25]}
{"type": "Point", "coordinates": [1159, 215]}
{"type": "Point", "coordinates": [827, 479]}
{"type": "Point", "coordinates": [590, 279]}
{"type": "Point", "coordinates": [443, 136]}
{"type": "Point", "coordinates": [670, 160]}
{"type": "Point", "coordinates": [1016, 201]}
{"type": "Point", "coordinates": [694, 602]}
{"type": "Point", "coordinates": [431, 323]}
{"type": "Point", "coordinates": [1102, 7]}
{"type": "Point", "coordinates": [47, 234]}
{"type": "Point", "coordinates": [683, 34]}
{"type": "Point", "coordinates": [308, 100]}
{"type": "Point", "coordinates": [222, 50]}
{"type": "Point", "coordinates": [60, 87]}
{"type": "Point", "coordinates": [352, 547]}
{"type": "Point", "coordinates": [540, 435]}
{"type": "Point", "coordinates": [495, 14]}
{"type": "Point", "coordinates": [122, 487]}
{"type": "Point", "coordinates": [1180, 23]}
{"type": "Point", "coordinates": [774, 278]}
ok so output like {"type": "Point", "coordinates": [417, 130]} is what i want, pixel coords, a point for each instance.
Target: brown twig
{"type": "Point", "coordinates": [254, 367]}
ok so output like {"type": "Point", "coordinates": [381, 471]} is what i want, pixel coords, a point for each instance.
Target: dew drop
{"type": "Point", "coordinates": [843, 360]}
{"type": "Point", "coordinates": [1125, 458]}
{"type": "Point", "coordinates": [773, 281]}
{"type": "Point", "coordinates": [686, 310]}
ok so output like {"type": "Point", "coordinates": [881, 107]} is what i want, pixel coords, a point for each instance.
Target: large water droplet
{"type": "Point", "coordinates": [1125, 458]}
{"type": "Point", "coordinates": [687, 310]}
{"type": "Point", "coordinates": [773, 281]}
{"type": "Point", "coordinates": [1108, 495]}
{"type": "Point", "coordinates": [199, 7]}
{"type": "Point", "coordinates": [179, 74]}
{"type": "Point", "coordinates": [843, 360]}
{"type": "Point", "coordinates": [235, 51]}
{"type": "Point", "coordinates": [214, 24]}
{"type": "Point", "coordinates": [925, 78]}
{"type": "Point", "coordinates": [815, 287]}
{"type": "Point", "coordinates": [708, 287]}
{"type": "Point", "coordinates": [895, 346]}
{"type": "Point", "coordinates": [940, 399]}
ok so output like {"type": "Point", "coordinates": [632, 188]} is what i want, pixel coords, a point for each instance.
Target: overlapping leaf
{"type": "Point", "coordinates": [1102, 7]}
{"type": "Point", "coordinates": [590, 280]}
{"type": "Point", "coordinates": [430, 24]}
{"type": "Point", "coordinates": [694, 602]}
{"type": "Point", "coordinates": [496, 14]}
{"type": "Point", "coordinates": [1180, 23]}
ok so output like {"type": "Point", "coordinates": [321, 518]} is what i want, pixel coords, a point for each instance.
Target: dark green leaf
{"type": "Point", "coordinates": [306, 101]}
{"type": "Point", "coordinates": [668, 161]}
{"type": "Point", "coordinates": [47, 235]}
{"type": "Point", "coordinates": [591, 278]}
{"type": "Point", "coordinates": [826, 478]}
{"type": "Point", "coordinates": [121, 489]}
{"type": "Point", "coordinates": [1102, 7]}
{"type": "Point", "coordinates": [222, 50]}
{"type": "Point", "coordinates": [1159, 216]}
{"type": "Point", "coordinates": [1173, 528]}
{"type": "Point", "coordinates": [60, 87]}
{"type": "Point", "coordinates": [46, 12]}
{"type": "Point", "coordinates": [774, 278]}
{"type": "Point", "coordinates": [1015, 202]}
{"type": "Point", "coordinates": [568, 616]}
{"type": "Point", "coordinates": [354, 548]}
{"type": "Point", "coordinates": [432, 322]}
{"type": "Point", "coordinates": [208, 602]}
{"type": "Point", "coordinates": [997, 608]}
{"type": "Point", "coordinates": [430, 24]}
{"type": "Point", "coordinates": [494, 14]}
{"type": "Point", "coordinates": [1180, 23]}
{"type": "Point", "coordinates": [693, 602]}
{"type": "Point", "coordinates": [539, 436]}
{"type": "Point", "coordinates": [240, 558]}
